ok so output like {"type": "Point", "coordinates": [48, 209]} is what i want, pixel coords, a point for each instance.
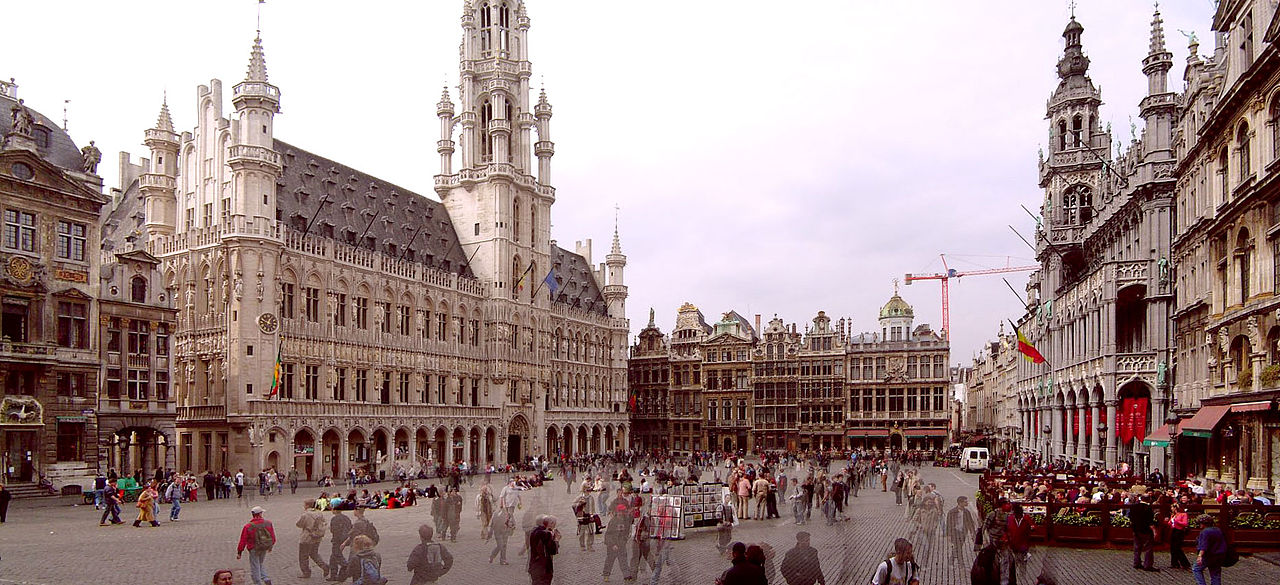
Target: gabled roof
{"type": "Point", "coordinates": [362, 205]}
{"type": "Point", "coordinates": [138, 256]}
{"type": "Point", "coordinates": [578, 287]}
{"type": "Point", "coordinates": [49, 174]}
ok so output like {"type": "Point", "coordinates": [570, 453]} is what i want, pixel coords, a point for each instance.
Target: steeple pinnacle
{"type": "Point", "coordinates": [164, 121]}
{"type": "Point", "coordinates": [1157, 32]}
{"type": "Point", "coordinates": [257, 62]}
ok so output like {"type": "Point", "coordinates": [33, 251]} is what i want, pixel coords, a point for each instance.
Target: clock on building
{"type": "Point", "coordinates": [268, 323]}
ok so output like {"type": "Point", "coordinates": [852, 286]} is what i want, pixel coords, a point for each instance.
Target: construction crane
{"type": "Point", "coordinates": [950, 273]}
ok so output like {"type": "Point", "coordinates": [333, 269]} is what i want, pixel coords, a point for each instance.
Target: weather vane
{"type": "Point", "coordinates": [1072, 5]}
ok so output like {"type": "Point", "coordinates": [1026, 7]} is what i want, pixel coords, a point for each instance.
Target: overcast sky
{"type": "Point", "coordinates": [768, 157]}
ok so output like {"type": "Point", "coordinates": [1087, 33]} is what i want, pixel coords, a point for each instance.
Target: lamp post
{"type": "Point", "coordinates": [1171, 462]}
{"type": "Point", "coordinates": [1048, 440]}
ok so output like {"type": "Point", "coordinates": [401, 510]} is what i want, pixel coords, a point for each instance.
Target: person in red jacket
{"type": "Point", "coordinates": [257, 536]}
{"type": "Point", "coordinates": [1018, 533]}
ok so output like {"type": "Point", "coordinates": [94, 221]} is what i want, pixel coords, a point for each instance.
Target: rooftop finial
{"type": "Point", "coordinates": [257, 61]}
{"type": "Point", "coordinates": [1072, 5]}
{"type": "Point", "coordinates": [164, 121]}
{"type": "Point", "coordinates": [895, 284]}
{"type": "Point", "coordinates": [1157, 32]}
{"type": "Point", "coordinates": [617, 242]}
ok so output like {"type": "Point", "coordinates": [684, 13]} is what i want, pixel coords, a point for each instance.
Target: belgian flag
{"type": "Point", "coordinates": [1029, 352]}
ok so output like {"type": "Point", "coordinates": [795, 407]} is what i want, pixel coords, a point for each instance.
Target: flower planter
{"type": "Point", "coordinates": [1255, 536]}
{"type": "Point", "coordinates": [1120, 535]}
{"type": "Point", "coordinates": [1066, 533]}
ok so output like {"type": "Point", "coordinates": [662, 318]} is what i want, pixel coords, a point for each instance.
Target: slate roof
{"type": "Point", "coordinates": [60, 150]}
{"type": "Point", "coordinates": [578, 287]}
{"type": "Point", "coordinates": [122, 228]}
{"type": "Point", "coordinates": [389, 217]}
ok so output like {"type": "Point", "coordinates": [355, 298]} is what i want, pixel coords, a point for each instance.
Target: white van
{"type": "Point", "coordinates": [974, 459]}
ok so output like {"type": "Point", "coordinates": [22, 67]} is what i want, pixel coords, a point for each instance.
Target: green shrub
{"type": "Point", "coordinates": [1069, 517]}
{"type": "Point", "coordinates": [1119, 520]}
{"type": "Point", "coordinates": [1271, 375]}
{"type": "Point", "coordinates": [1254, 521]}
{"type": "Point", "coordinates": [1245, 378]}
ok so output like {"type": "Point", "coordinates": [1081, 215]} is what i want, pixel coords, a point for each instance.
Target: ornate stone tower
{"type": "Point", "coordinates": [252, 240]}
{"type": "Point", "coordinates": [158, 187]}
{"type": "Point", "coordinates": [1078, 150]}
{"type": "Point", "coordinates": [615, 291]}
{"type": "Point", "coordinates": [1158, 107]}
{"type": "Point", "coordinates": [502, 213]}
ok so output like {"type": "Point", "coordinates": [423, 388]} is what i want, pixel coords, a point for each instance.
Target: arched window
{"type": "Point", "coordinates": [516, 274]}
{"type": "Point", "coordinates": [1062, 135]}
{"type": "Point", "coordinates": [515, 219]}
{"type": "Point", "coordinates": [1077, 128]}
{"type": "Point", "coordinates": [1242, 151]}
{"type": "Point", "coordinates": [486, 146]}
{"type": "Point", "coordinates": [1222, 175]}
{"type": "Point", "coordinates": [533, 224]}
{"type": "Point", "coordinates": [1245, 253]}
{"type": "Point", "coordinates": [1274, 120]}
{"type": "Point", "coordinates": [138, 290]}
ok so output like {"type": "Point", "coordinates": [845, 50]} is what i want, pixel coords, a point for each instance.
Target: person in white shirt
{"type": "Point", "coordinates": [509, 497]}
{"type": "Point", "coordinates": [899, 569]}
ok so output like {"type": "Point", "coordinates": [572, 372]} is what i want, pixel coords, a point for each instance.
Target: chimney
{"type": "Point", "coordinates": [757, 323]}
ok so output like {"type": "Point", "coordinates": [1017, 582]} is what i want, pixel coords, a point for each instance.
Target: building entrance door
{"type": "Point", "coordinates": [19, 455]}
{"type": "Point", "coordinates": [513, 449]}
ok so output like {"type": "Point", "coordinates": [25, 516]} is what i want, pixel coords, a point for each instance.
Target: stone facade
{"type": "Point", "coordinates": [1226, 250]}
{"type": "Point", "coordinates": [736, 386]}
{"type": "Point", "coordinates": [992, 412]}
{"type": "Point", "coordinates": [1098, 307]}
{"type": "Point", "coordinates": [407, 331]}
{"type": "Point", "coordinates": [50, 274]}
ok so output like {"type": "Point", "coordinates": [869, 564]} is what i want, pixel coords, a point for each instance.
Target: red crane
{"type": "Point", "coordinates": [953, 273]}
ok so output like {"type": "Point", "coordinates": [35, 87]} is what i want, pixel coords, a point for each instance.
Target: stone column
{"type": "Point", "coordinates": [1057, 432]}
{"type": "Point", "coordinates": [1098, 439]}
{"type": "Point", "coordinates": [1111, 433]}
{"type": "Point", "coordinates": [135, 453]}
{"type": "Point", "coordinates": [344, 456]}
{"type": "Point", "coordinates": [484, 448]}
{"type": "Point", "coordinates": [1082, 438]}
{"type": "Point", "coordinates": [413, 449]}
{"type": "Point", "coordinates": [466, 447]}
{"type": "Point", "coordinates": [1069, 446]}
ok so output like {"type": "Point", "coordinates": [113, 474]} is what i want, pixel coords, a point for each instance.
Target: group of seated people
{"type": "Point", "coordinates": [400, 497]}
{"type": "Point", "coordinates": [1092, 491]}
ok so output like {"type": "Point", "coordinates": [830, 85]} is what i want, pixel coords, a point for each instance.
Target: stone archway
{"type": "Point", "coordinates": [331, 445]}
{"type": "Point", "coordinates": [304, 454]}
{"type": "Point", "coordinates": [567, 448]}
{"type": "Point", "coordinates": [441, 446]}
{"type": "Point", "coordinates": [553, 441]}
{"type": "Point", "coordinates": [517, 439]}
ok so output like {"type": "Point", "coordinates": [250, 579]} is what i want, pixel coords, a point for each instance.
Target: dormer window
{"type": "Point", "coordinates": [138, 289]}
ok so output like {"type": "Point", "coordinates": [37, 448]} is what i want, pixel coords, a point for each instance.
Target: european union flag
{"type": "Point", "coordinates": [551, 283]}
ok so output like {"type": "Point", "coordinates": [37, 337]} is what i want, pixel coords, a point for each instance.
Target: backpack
{"type": "Point", "coordinates": [369, 574]}
{"type": "Point", "coordinates": [435, 562]}
{"type": "Point", "coordinates": [262, 539]}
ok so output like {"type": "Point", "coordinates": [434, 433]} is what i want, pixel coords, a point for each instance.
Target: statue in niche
{"type": "Point", "coordinates": [238, 287]}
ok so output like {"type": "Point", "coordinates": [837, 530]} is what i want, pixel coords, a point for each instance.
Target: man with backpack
{"type": "Point", "coordinates": [429, 560]}
{"type": "Point", "coordinates": [313, 527]}
{"type": "Point", "coordinates": [257, 536]}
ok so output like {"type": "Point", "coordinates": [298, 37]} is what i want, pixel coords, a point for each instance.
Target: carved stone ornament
{"type": "Point", "coordinates": [20, 269]}
{"type": "Point", "coordinates": [1224, 340]}
{"type": "Point", "coordinates": [1255, 337]}
{"type": "Point", "coordinates": [21, 410]}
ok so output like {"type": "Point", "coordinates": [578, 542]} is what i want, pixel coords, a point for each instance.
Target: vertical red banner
{"type": "Point", "coordinates": [1138, 418]}
{"type": "Point", "coordinates": [1122, 420]}
{"type": "Point", "coordinates": [1075, 422]}
{"type": "Point", "coordinates": [1088, 422]}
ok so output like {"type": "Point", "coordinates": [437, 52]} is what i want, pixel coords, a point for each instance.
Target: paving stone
{"type": "Point", "coordinates": [64, 545]}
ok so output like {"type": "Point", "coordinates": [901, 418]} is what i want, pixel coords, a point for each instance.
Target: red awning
{"type": "Point", "coordinates": [1158, 437]}
{"type": "Point", "coordinates": [867, 433]}
{"type": "Point", "coordinates": [926, 432]}
{"type": "Point", "coordinates": [1205, 420]}
{"type": "Point", "coordinates": [1252, 406]}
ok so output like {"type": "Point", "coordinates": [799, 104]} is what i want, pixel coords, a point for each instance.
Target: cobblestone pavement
{"type": "Point", "coordinates": [64, 545]}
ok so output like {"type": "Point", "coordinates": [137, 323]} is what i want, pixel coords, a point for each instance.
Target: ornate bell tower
{"type": "Point", "coordinates": [502, 212]}
{"type": "Point", "coordinates": [1071, 175]}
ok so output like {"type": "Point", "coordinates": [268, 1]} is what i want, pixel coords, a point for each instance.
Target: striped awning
{"type": "Point", "coordinates": [1261, 406]}
{"type": "Point", "coordinates": [926, 432]}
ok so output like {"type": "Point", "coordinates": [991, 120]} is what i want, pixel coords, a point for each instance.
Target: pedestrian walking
{"type": "Point", "coordinates": [544, 543]}
{"type": "Point", "coordinates": [5, 497]}
{"type": "Point", "coordinates": [147, 505]}
{"type": "Point", "coordinates": [484, 511]}
{"type": "Point", "coordinates": [340, 530]}
{"type": "Point", "coordinates": [313, 527]}
{"type": "Point", "coordinates": [501, 528]}
{"type": "Point", "coordinates": [640, 549]}
{"type": "Point", "coordinates": [111, 504]}
{"type": "Point", "coordinates": [453, 514]}
{"type": "Point", "coordinates": [1018, 536]}
{"type": "Point", "coordinates": [616, 536]}
{"type": "Point", "coordinates": [365, 564]}
{"type": "Point", "coordinates": [1142, 520]}
{"type": "Point", "coordinates": [1211, 547]}
{"type": "Point", "coordinates": [584, 509]}
{"type": "Point", "coordinates": [995, 527]}
{"type": "Point", "coordinates": [1178, 524]}
{"type": "Point", "coordinates": [99, 484]}
{"type": "Point", "coordinates": [959, 528]}
{"type": "Point", "coordinates": [257, 537]}
{"type": "Point", "coordinates": [223, 577]}
{"type": "Point", "coordinates": [801, 566]}
{"type": "Point", "coordinates": [429, 560]}
{"type": "Point", "coordinates": [293, 480]}
{"type": "Point", "coordinates": [239, 482]}
{"type": "Point", "coordinates": [900, 568]}
{"type": "Point", "coordinates": [174, 494]}
{"type": "Point", "coordinates": [742, 571]}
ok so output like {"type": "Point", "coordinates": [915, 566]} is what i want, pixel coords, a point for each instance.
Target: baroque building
{"type": "Point", "coordinates": [1226, 252]}
{"type": "Point", "coordinates": [408, 331]}
{"type": "Point", "coordinates": [50, 272]}
{"type": "Point", "coordinates": [737, 386]}
{"type": "Point", "coordinates": [1098, 308]}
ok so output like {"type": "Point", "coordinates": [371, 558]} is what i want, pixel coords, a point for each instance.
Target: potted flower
{"type": "Point", "coordinates": [1121, 531]}
{"type": "Point", "coordinates": [1255, 528]}
{"type": "Point", "coordinates": [1072, 526]}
